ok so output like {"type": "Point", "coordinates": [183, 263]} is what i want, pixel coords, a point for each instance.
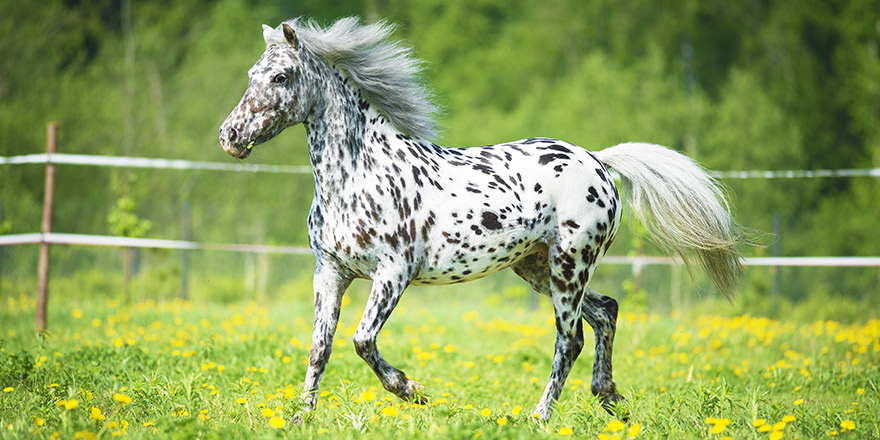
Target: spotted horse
{"type": "Point", "coordinates": [392, 207]}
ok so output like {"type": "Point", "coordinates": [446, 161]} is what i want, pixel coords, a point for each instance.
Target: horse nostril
{"type": "Point", "coordinates": [232, 134]}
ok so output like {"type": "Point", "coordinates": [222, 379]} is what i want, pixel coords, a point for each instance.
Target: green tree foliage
{"type": "Point", "coordinates": [737, 85]}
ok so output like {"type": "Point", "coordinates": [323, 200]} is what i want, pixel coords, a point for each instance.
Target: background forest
{"type": "Point", "coordinates": [757, 84]}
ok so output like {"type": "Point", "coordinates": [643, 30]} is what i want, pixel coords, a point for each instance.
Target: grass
{"type": "Point", "coordinates": [183, 370]}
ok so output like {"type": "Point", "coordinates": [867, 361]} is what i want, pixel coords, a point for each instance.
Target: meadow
{"type": "Point", "coordinates": [177, 369]}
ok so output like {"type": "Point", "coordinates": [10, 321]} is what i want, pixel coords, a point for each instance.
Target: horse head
{"type": "Point", "coordinates": [276, 97]}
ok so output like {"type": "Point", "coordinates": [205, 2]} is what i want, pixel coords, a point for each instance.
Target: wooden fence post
{"type": "Point", "coordinates": [46, 227]}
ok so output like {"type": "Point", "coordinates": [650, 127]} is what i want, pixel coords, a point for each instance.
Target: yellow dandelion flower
{"type": "Point", "coordinates": [718, 428]}
{"type": "Point", "coordinates": [71, 404]}
{"type": "Point", "coordinates": [516, 410]}
{"type": "Point", "coordinates": [501, 421]}
{"type": "Point", "coordinates": [122, 398]}
{"type": "Point", "coordinates": [8, 389]}
{"type": "Point", "coordinates": [759, 422]}
{"type": "Point", "coordinates": [389, 411]}
{"type": "Point", "coordinates": [368, 396]}
{"type": "Point", "coordinates": [276, 422]}
{"type": "Point", "coordinates": [85, 435]}
{"type": "Point", "coordinates": [486, 412]}
{"type": "Point", "coordinates": [848, 425]}
{"type": "Point", "coordinates": [95, 414]}
{"type": "Point", "coordinates": [39, 421]}
{"type": "Point", "coordinates": [779, 426]}
{"type": "Point", "coordinates": [860, 391]}
{"type": "Point", "coordinates": [148, 424]}
{"type": "Point", "coordinates": [323, 431]}
{"type": "Point", "coordinates": [565, 430]}
{"type": "Point", "coordinates": [765, 428]}
{"type": "Point", "coordinates": [615, 426]}
{"type": "Point", "coordinates": [775, 435]}
{"type": "Point", "coordinates": [788, 418]}
{"type": "Point", "coordinates": [634, 430]}
{"type": "Point", "coordinates": [799, 401]}
{"type": "Point", "coordinates": [266, 412]}
{"type": "Point", "coordinates": [241, 401]}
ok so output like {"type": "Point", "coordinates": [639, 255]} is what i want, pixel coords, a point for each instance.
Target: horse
{"type": "Point", "coordinates": [392, 207]}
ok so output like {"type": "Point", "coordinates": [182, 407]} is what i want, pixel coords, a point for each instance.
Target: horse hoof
{"type": "Point", "coordinates": [539, 416]}
{"type": "Point", "coordinates": [413, 392]}
{"type": "Point", "coordinates": [412, 387]}
{"type": "Point", "coordinates": [612, 404]}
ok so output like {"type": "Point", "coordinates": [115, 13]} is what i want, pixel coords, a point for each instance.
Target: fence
{"type": "Point", "coordinates": [47, 237]}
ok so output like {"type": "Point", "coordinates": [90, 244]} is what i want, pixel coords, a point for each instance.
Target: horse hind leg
{"type": "Point", "coordinates": [385, 294]}
{"type": "Point", "coordinates": [600, 312]}
{"type": "Point", "coordinates": [564, 279]}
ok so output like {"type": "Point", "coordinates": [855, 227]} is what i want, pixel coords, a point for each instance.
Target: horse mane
{"type": "Point", "coordinates": [385, 71]}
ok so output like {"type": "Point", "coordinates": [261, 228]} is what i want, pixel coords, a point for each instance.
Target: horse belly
{"type": "Point", "coordinates": [463, 260]}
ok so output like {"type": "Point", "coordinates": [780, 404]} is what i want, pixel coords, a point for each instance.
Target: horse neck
{"type": "Point", "coordinates": [339, 150]}
{"type": "Point", "coordinates": [335, 128]}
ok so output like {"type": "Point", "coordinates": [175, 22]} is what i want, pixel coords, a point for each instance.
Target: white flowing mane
{"type": "Point", "coordinates": [385, 71]}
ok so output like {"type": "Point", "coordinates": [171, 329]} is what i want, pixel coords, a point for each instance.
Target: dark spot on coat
{"type": "Point", "coordinates": [547, 158]}
{"type": "Point", "coordinates": [490, 221]}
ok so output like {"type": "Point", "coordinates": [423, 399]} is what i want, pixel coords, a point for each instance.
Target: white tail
{"type": "Point", "coordinates": [682, 207]}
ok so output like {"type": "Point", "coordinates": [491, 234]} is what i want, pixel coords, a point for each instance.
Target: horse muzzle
{"type": "Point", "coordinates": [233, 144]}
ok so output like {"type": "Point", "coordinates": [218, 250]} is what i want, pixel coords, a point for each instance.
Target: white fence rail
{"type": "Point", "coordinates": [152, 243]}
{"type": "Point", "coordinates": [640, 261]}
{"type": "Point", "coordinates": [146, 162]}
{"type": "Point", "coordinates": [178, 164]}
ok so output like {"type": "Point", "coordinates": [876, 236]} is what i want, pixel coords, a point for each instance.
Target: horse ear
{"type": "Point", "coordinates": [269, 35]}
{"type": "Point", "coordinates": [290, 35]}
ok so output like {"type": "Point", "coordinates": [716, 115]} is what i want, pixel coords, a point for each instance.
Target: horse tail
{"type": "Point", "coordinates": [683, 208]}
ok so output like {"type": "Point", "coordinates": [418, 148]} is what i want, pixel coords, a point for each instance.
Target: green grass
{"type": "Point", "coordinates": [207, 370]}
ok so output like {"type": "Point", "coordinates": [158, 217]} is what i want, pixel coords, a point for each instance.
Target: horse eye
{"type": "Point", "coordinates": [280, 78]}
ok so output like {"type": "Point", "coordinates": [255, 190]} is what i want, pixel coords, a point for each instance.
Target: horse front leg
{"type": "Point", "coordinates": [329, 285]}
{"type": "Point", "coordinates": [386, 292]}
